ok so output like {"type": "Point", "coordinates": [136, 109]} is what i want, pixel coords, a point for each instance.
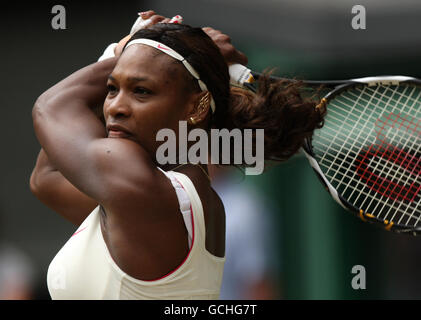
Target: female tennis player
{"type": "Point", "coordinates": [149, 231]}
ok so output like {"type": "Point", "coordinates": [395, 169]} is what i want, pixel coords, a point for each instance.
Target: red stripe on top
{"type": "Point", "coordinates": [78, 231]}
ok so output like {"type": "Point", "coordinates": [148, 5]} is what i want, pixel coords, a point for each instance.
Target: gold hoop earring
{"type": "Point", "coordinates": [192, 120]}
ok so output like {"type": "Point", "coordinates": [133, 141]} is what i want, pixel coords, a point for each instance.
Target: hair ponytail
{"type": "Point", "coordinates": [286, 116]}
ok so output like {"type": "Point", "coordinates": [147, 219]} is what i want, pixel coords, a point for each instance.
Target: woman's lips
{"type": "Point", "coordinates": [117, 131]}
{"type": "Point", "coordinates": [114, 133]}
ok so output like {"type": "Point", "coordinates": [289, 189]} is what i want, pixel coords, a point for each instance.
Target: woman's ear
{"type": "Point", "coordinates": [200, 108]}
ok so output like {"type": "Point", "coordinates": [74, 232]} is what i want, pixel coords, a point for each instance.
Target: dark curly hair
{"type": "Point", "coordinates": [278, 107]}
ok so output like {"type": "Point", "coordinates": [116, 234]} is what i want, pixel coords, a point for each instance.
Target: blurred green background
{"type": "Point", "coordinates": [318, 242]}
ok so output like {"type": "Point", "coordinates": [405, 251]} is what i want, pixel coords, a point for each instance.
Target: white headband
{"type": "Point", "coordinates": [177, 56]}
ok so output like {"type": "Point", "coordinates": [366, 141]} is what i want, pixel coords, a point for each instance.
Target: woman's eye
{"type": "Point", "coordinates": [111, 88]}
{"type": "Point", "coordinates": [140, 90]}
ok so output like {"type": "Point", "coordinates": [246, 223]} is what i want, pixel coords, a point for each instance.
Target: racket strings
{"type": "Point", "coordinates": [385, 155]}
{"type": "Point", "coordinates": [376, 180]}
{"type": "Point", "coordinates": [399, 159]}
{"type": "Point", "coordinates": [406, 163]}
{"type": "Point", "coordinates": [385, 151]}
{"type": "Point", "coordinates": [382, 164]}
{"type": "Point", "coordinates": [342, 141]}
{"type": "Point", "coordinates": [356, 183]}
{"type": "Point", "coordinates": [404, 166]}
{"type": "Point", "coordinates": [358, 137]}
{"type": "Point", "coordinates": [388, 187]}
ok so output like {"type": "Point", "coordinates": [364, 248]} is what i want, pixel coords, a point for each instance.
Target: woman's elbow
{"type": "Point", "coordinates": [37, 109]}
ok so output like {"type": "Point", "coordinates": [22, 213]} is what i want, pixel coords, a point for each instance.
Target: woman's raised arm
{"type": "Point", "coordinates": [57, 193]}
{"type": "Point", "coordinates": [74, 139]}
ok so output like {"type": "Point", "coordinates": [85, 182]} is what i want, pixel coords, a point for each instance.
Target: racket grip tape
{"type": "Point", "coordinates": [239, 75]}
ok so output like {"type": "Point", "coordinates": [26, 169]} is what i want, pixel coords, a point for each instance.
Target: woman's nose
{"type": "Point", "coordinates": [119, 106]}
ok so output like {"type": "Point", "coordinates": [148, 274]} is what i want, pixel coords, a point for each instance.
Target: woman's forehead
{"type": "Point", "coordinates": [139, 60]}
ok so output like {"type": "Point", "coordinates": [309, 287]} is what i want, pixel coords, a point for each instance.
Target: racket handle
{"type": "Point", "coordinates": [239, 75]}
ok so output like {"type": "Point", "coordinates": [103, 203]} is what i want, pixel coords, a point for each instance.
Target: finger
{"type": "Point", "coordinates": [242, 58]}
{"type": "Point", "coordinates": [221, 37]}
{"type": "Point", "coordinates": [207, 29]}
{"type": "Point", "coordinates": [212, 30]}
{"type": "Point", "coordinates": [155, 19]}
{"type": "Point", "coordinates": [232, 55]}
{"type": "Point", "coordinates": [143, 24]}
{"type": "Point", "coordinates": [140, 24]}
{"type": "Point", "coordinates": [147, 14]}
{"type": "Point", "coordinates": [212, 33]}
{"type": "Point", "coordinates": [166, 20]}
{"type": "Point", "coordinates": [236, 56]}
{"type": "Point", "coordinates": [142, 21]}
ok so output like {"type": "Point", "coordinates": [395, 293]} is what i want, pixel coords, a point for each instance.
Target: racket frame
{"type": "Point", "coordinates": [337, 86]}
{"type": "Point", "coordinates": [308, 152]}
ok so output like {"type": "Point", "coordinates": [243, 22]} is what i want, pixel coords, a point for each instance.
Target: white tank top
{"type": "Point", "coordinates": [84, 268]}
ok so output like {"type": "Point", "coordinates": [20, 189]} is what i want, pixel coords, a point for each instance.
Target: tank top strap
{"type": "Point", "coordinates": [184, 203]}
{"type": "Point", "coordinates": [199, 228]}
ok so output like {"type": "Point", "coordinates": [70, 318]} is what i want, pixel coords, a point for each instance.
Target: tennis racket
{"type": "Point", "coordinates": [367, 155]}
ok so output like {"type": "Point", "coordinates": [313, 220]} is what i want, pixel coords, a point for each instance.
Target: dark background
{"type": "Point", "coordinates": [318, 241]}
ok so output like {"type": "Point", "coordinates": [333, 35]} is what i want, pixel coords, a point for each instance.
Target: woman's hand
{"type": "Point", "coordinates": [149, 19]}
{"type": "Point", "coordinates": [223, 41]}
{"type": "Point", "coordinates": [229, 52]}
